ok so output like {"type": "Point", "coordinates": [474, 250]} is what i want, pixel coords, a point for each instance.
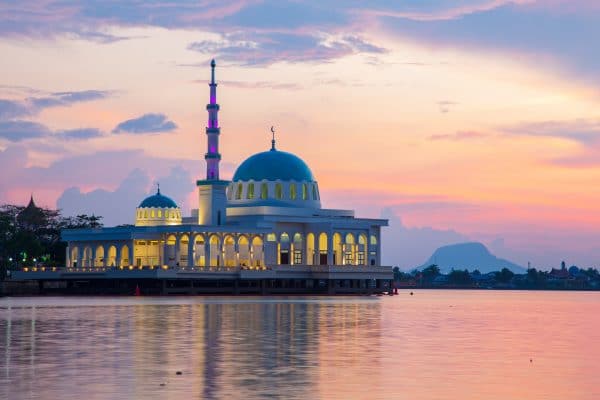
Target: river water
{"type": "Point", "coordinates": [434, 344]}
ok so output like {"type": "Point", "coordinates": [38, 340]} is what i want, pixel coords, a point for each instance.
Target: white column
{"type": "Point", "coordinates": [207, 255]}
{"type": "Point", "coordinates": [118, 255]}
{"type": "Point", "coordinates": [330, 257]}
{"type": "Point", "coordinates": [80, 251]}
{"type": "Point", "coordinates": [191, 244]}
{"type": "Point", "coordinates": [177, 250]}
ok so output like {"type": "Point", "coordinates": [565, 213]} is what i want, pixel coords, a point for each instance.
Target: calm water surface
{"type": "Point", "coordinates": [433, 345]}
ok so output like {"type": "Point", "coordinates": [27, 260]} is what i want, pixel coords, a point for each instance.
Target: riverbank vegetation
{"type": "Point", "coordinates": [573, 278]}
{"type": "Point", "coordinates": [31, 235]}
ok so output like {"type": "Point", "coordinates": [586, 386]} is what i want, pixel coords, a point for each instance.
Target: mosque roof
{"type": "Point", "coordinates": [273, 165]}
{"type": "Point", "coordinates": [158, 201]}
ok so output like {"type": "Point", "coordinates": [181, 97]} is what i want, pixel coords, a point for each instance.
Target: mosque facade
{"type": "Point", "coordinates": [267, 223]}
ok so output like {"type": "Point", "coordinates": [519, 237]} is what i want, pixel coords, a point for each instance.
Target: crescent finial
{"type": "Point", "coordinates": [273, 140]}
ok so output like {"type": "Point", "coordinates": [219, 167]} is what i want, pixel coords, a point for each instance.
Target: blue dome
{"type": "Point", "coordinates": [273, 165]}
{"type": "Point", "coordinates": [157, 201]}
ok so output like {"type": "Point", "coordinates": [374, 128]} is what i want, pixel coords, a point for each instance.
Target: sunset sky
{"type": "Point", "coordinates": [457, 119]}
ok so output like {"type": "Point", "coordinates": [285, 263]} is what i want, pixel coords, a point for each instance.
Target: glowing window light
{"type": "Point", "coordinates": [264, 191]}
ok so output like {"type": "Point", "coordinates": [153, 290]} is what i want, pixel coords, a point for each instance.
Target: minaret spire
{"type": "Point", "coordinates": [212, 155]}
{"type": "Point", "coordinates": [212, 192]}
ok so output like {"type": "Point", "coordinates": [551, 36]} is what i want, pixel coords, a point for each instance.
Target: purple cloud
{"type": "Point", "coordinates": [584, 131]}
{"type": "Point", "coordinates": [147, 123]}
{"type": "Point", "coordinates": [81, 133]}
{"type": "Point", "coordinates": [10, 109]}
{"type": "Point", "coordinates": [66, 98]}
{"type": "Point", "coordinates": [16, 131]}
{"type": "Point", "coordinates": [254, 49]}
{"type": "Point", "coordinates": [13, 109]}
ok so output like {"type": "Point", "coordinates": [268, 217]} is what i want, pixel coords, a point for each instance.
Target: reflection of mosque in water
{"type": "Point", "coordinates": [252, 349]}
{"type": "Point", "coordinates": [263, 231]}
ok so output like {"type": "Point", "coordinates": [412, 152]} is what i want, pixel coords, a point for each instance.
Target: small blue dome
{"type": "Point", "coordinates": [157, 201]}
{"type": "Point", "coordinates": [273, 165]}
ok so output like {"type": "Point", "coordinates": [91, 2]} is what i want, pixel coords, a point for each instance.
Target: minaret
{"type": "Point", "coordinates": [212, 204]}
{"type": "Point", "coordinates": [212, 155]}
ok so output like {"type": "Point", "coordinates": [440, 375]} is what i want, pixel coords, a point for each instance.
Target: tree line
{"type": "Point", "coordinates": [563, 278]}
{"type": "Point", "coordinates": [31, 235]}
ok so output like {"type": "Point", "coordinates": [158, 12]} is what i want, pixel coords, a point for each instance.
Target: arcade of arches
{"type": "Point", "coordinates": [229, 250]}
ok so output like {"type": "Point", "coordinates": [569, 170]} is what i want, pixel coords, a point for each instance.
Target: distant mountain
{"type": "Point", "coordinates": [469, 256]}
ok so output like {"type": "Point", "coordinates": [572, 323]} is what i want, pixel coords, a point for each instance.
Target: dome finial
{"type": "Point", "coordinates": [157, 188]}
{"type": "Point", "coordinates": [273, 140]}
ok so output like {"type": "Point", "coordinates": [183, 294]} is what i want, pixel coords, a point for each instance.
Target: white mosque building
{"type": "Point", "coordinates": [266, 223]}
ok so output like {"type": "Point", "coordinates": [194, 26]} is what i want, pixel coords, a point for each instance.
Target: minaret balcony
{"type": "Point", "coordinates": [213, 130]}
{"type": "Point", "coordinates": [212, 107]}
{"type": "Point", "coordinates": [212, 156]}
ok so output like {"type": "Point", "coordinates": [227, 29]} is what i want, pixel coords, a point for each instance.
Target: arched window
{"type": "Point", "coordinates": [297, 238]}
{"type": "Point", "coordinates": [304, 191]}
{"type": "Point", "coordinates": [314, 192]}
{"type": "Point", "coordinates": [244, 251]}
{"type": "Point", "coordinates": [264, 191]}
{"type": "Point", "coordinates": [362, 239]}
{"type": "Point", "coordinates": [257, 251]}
{"type": "Point", "coordinates": [112, 256]}
{"type": "Point", "coordinates": [337, 249]}
{"type": "Point", "coordinates": [230, 192]}
{"type": "Point", "coordinates": [323, 241]}
{"type": "Point", "coordinates": [285, 238]}
{"type": "Point", "coordinates": [152, 214]}
{"type": "Point", "coordinates": [293, 191]}
{"type": "Point", "coordinates": [125, 256]}
{"type": "Point", "coordinates": [159, 212]}
{"type": "Point", "coordinates": [145, 214]}
{"type": "Point", "coordinates": [322, 260]}
{"type": "Point", "coordinates": [373, 239]}
{"type": "Point", "coordinates": [238, 194]}
{"type": "Point", "coordinates": [229, 251]}
{"type": "Point", "coordinates": [278, 191]}
{"type": "Point", "coordinates": [310, 248]}
{"type": "Point", "coordinates": [250, 194]}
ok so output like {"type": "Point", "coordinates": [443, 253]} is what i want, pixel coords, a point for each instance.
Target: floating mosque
{"type": "Point", "coordinates": [264, 231]}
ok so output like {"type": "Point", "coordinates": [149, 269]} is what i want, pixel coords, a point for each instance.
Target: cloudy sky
{"type": "Point", "coordinates": [457, 119]}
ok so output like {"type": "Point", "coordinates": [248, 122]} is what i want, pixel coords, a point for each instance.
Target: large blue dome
{"type": "Point", "coordinates": [157, 201]}
{"type": "Point", "coordinates": [273, 165]}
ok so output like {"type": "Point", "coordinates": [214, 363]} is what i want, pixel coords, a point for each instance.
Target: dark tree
{"type": "Point", "coordinates": [430, 273]}
{"type": "Point", "coordinates": [33, 233]}
{"type": "Point", "coordinates": [505, 275]}
{"type": "Point", "coordinates": [458, 277]}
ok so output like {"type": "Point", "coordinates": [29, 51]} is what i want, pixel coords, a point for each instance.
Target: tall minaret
{"type": "Point", "coordinates": [212, 155]}
{"type": "Point", "coordinates": [212, 199]}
